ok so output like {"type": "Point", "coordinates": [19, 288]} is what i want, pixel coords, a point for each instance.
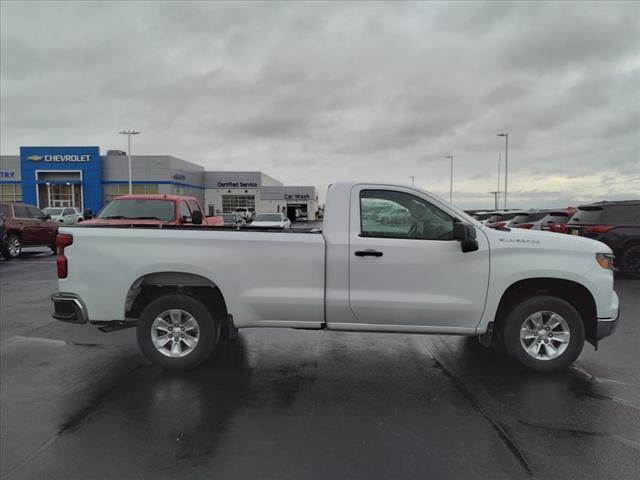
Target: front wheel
{"type": "Point", "coordinates": [177, 332]}
{"type": "Point", "coordinates": [544, 333]}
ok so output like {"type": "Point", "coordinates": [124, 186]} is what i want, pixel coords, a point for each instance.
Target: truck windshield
{"type": "Point", "coordinates": [268, 217]}
{"type": "Point", "coordinates": [139, 208]}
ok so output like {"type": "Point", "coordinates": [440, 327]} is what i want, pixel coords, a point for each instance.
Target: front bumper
{"type": "Point", "coordinates": [606, 326]}
{"type": "Point", "coordinates": [68, 307]}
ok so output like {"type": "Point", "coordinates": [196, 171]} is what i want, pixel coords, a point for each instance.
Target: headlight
{"type": "Point", "coordinates": [606, 260]}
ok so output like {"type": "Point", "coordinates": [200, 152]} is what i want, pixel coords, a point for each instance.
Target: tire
{"type": "Point", "coordinates": [12, 247]}
{"type": "Point", "coordinates": [526, 327]}
{"type": "Point", "coordinates": [186, 312]}
{"type": "Point", "coordinates": [630, 263]}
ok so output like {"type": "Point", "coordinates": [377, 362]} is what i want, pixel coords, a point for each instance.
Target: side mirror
{"type": "Point", "coordinates": [47, 217]}
{"type": "Point", "coordinates": [196, 217]}
{"type": "Point", "coordinates": [465, 233]}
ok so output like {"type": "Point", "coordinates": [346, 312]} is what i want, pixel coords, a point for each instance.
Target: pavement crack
{"type": "Point", "coordinates": [499, 429]}
{"type": "Point", "coordinates": [590, 382]}
{"type": "Point", "coordinates": [576, 431]}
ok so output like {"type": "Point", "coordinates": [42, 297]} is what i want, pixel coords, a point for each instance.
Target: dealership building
{"type": "Point", "coordinates": [79, 176]}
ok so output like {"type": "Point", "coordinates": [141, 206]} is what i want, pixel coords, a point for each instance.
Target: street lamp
{"type": "Point", "coordinates": [128, 133]}
{"type": "Point", "coordinates": [450, 157]}
{"type": "Point", "coordinates": [506, 164]}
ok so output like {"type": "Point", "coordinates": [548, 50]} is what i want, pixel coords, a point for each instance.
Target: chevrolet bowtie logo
{"type": "Point", "coordinates": [35, 158]}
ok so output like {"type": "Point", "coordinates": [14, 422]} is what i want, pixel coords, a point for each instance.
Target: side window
{"type": "Point", "coordinates": [68, 211]}
{"type": "Point", "coordinates": [20, 211]}
{"type": "Point", "coordinates": [35, 213]}
{"type": "Point", "coordinates": [184, 210]}
{"type": "Point", "coordinates": [392, 214]}
{"type": "Point", "coordinates": [194, 206]}
{"type": "Point", "coordinates": [623, 214]}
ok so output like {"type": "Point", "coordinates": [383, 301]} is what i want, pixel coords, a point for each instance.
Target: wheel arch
{"type": "Point", "coordinates": [14, 231]}
{"type": "Point", "coordinates": [573, 292]}
{"type": "Point", "coordinates": [153, 285]}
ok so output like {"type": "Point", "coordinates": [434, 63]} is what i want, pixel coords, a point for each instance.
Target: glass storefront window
{"type": "Point", "coordinates": [112, 190]}
{"type": "Point", "coordinates": [10, 193]}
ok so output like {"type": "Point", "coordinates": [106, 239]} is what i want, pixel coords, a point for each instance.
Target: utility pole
{"type": "Point", "coordinates": [450, 157]}
{"type": "Point", "coordinates": [128, 133]}
{"type": "Point", "coordinates": [495, 199]}
{"type": "Point", "coordinates": [506, 164]}
{"type": "Point", "coordinates": [413, 180]}
{"type": "Point", "coordinates": [498, 180]}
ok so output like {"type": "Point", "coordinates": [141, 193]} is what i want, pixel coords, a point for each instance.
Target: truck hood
{"type": "Point", "coordinates": [522, 237]}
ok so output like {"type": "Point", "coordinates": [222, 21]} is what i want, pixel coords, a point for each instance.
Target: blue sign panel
{"type": "Point", "coordinates": [85, 160]}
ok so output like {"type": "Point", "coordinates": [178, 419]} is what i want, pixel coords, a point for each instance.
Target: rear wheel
{"type": "Point", "coordinates": [544, 333]}
{"type": "Point", "coordinates": [630, 263]}
{"type": "Point", "coordinates": [177, 332]}
{"type": "Point", "coordinates": [13, 247]}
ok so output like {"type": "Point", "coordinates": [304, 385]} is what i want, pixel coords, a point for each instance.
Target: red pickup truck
{"type": "Point", "coordinates": [154, 209]}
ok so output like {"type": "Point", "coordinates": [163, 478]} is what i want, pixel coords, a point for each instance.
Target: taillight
{"type": "Point", "coordinates": [598, 228]}
{"type": "Point", "coordinates": [62, 240]}
{"type": "Point", "coordinates": [525, 225]}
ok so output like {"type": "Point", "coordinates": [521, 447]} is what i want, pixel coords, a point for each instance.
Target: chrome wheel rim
{"type": "Point", "coordinates": [175, 333]}
{"type": "Point", "coordinates": [14, 247]}
{"type": "Point", "coordinates": [545, 335]}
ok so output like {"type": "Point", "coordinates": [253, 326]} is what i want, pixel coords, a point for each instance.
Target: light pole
{"type": "Point", "coordinates": [495, 199]}
{"type": "Point", "coordinates": [450, 157]}
{"type": "Point", "coordinates": [128, 133]}
{"type": "Point", "coordinates": [506, 164]}
{"type": "Point", "coordinates": [413, 180]}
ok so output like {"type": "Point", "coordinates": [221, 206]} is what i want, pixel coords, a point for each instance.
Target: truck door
{"type": "Point", "coordinates": [406, 272]}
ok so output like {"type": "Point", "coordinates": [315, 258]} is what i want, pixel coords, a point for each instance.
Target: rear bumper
{"type": "Point", "coordinates": [68, 307]}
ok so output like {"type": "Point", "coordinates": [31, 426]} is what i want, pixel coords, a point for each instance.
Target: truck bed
{"type": "Point", "coordinates": [268, 277]}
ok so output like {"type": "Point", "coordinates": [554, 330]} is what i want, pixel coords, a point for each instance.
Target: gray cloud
{"type": "Point", "coordinates": [316, 92]}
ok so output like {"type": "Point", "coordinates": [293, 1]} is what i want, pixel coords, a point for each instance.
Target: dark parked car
{"type": "Point", "coordinates": [26, 226]}
{"type": "Point", "coordinates": [3, 233]}
{"type": "Point", "coordinates": [615, 223]}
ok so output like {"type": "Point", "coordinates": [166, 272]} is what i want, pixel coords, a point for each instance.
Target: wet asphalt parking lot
{"type": "Point", "coordinates": [80, 404]}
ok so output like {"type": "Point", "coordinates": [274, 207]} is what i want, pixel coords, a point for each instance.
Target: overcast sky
{"type": "Point", "coordinates": [311, 93]}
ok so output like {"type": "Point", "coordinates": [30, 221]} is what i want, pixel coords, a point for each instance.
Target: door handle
{"type": "Point", "coordinates": [368, 253]}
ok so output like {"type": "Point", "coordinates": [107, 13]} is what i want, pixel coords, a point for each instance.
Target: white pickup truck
{"type": "Point", "coordinates": [429, 268]}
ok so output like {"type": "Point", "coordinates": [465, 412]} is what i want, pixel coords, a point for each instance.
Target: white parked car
{"type": "Point", "coordinates": [244, 212]}
{"type": "Point", "coordinates": [272, 220]}
{"type": "Point", "coordinates": [66, 215]}
{"type": "Point", "coordinates": [541, 295]}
